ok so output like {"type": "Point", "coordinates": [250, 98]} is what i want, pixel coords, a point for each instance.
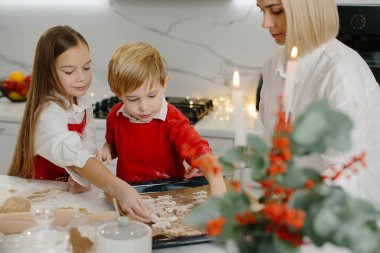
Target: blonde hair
{"type": "Point", "coordinates": [132, 65]}
{"type": "Point", "coordinates": [44, 86]}
{"type": "Point", "coordinates": [310, 23]}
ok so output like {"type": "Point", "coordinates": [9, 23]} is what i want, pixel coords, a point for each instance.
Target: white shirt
{"type": "Point", "coordinates": [161, 115]}
{"type": "Point", "coordinates": [54, 142]}
{"type": "Point", "coordinates": [337, 73]}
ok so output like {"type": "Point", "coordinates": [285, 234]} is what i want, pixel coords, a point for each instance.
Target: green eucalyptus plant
{"type": "Point", "coordinates": [296, 205]}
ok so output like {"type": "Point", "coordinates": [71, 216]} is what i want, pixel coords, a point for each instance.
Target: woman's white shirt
{"type": "Point", "coordinates": [54, 142]}
{"type": "Point", "coordinates": [337, 73]}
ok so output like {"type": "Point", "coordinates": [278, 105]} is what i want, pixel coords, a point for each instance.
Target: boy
{"type": "Point", "coordinates": [150, 137]}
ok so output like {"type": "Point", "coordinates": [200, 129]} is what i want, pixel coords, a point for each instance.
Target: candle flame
{"type": "Point", "coordinates": [294, 53]}
{"type": "Point", "coordinates": [236, 79]}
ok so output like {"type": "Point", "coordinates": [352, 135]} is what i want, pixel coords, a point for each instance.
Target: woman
{"type": "Point", "coordinates": [326, 69]}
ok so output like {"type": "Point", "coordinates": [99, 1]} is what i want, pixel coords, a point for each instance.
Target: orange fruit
{"type": "Point", "coordinates": [17, 76]}
{"type": "Point", "coordinates": [14, 95]}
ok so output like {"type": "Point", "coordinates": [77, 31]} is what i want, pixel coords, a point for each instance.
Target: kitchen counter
{"type": "Point", "coordinates": [94, 202]}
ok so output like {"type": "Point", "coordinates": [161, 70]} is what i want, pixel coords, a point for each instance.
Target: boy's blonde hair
{"type": "Point", "coordinates": [310, 23]}
{"type": "Point", "coordinates": [132, 65]}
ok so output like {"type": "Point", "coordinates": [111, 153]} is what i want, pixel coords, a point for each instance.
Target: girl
{"type": "Point", "coordinates": [57, 141]}
{"type": "Point", "coordinates": [327, 69]}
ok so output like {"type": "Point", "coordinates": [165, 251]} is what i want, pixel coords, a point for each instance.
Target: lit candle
{"type": "Point", "coordinates": [237, 96]}
{"type": "Point", "coordinates": [291, 71]}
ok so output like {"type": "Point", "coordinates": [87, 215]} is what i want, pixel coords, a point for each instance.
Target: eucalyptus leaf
{"type": "Point", "coordinates": [339, 131]}
{"type": "Point", "coordinates": [311, 174]}
{"type": "Point", "coordinates": [321, 127]}
{"type": "Point", "coordinates": [310, 129]}
{"type": "Point", "coordinates": [294, 178]}
{"type": "Point", "coordinates": [357, 237]}
{"type": "Point", "coordinates": [205, 212]}
{"type": "Point", "coordinates": [283, 247]}
{"type": "Point", "coordinates": [258, 144]}
{"type": "Point", "coordinates": [258, 165]}
{"type": "Point", "coordinates": [233, 156]}
{"type": "Point", "coordinates": [364, 240]}
{"type": "Point", "coordinates": [325, 222]}
{"type": "Point", "coordinates": [233, 203]}
{"type": "Point", "coordinates": [227, 167]}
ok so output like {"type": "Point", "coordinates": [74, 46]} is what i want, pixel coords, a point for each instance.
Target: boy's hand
{"type": "Point", "coordinates": [131, 203]}
{"type": "Point", "coordinates": [75, 187]}
{"type": "Point", "coordinates": [103, 155]}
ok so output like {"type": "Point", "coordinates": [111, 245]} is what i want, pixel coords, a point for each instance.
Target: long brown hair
{"type": "Point", "coordinates": [44, 86]}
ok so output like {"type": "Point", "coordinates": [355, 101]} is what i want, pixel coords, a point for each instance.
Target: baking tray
{"type": "Point", "coordinates": [166, 185]}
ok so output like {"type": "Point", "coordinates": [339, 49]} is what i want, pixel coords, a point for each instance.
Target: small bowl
{"type": "Point", "coordinates": [131, 238]}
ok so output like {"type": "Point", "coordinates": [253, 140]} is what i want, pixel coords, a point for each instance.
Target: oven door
{"type": "Point", "coordinates": [373, 61]}
{"type": "Point", "coordinates": [360, 30]}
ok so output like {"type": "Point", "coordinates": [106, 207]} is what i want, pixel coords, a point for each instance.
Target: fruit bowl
{"type": "Point", "coordinates": [16, 86]}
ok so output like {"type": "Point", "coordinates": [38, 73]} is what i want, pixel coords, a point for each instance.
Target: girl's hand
{"type": "Point", "coordinates": [75, 187]}
{"type": "Point", "coordinates": [103, 155]}
{"type": "Point", "coordinates": [193, 172]}
{"type": "Point", "coordinates": [131, 203]}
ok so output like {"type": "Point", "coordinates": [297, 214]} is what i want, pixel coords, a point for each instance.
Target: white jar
{"type": "Point", "coordinates": [131, 238]}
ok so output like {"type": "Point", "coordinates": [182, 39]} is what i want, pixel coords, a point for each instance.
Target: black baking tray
{"type": "Point", "coordinates": [166, 185]}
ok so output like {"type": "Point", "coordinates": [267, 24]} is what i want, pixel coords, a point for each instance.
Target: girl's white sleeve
{"type": "Point", "coordinates": [56, 143]}
{"type": "Point", "coordinates": [89, 138]}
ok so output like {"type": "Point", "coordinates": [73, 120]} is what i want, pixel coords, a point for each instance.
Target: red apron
{"type": "Point", "coordinates": [47, 170]}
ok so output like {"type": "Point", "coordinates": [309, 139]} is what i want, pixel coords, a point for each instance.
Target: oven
{"type": "Point", "coordinates": [360, 30]}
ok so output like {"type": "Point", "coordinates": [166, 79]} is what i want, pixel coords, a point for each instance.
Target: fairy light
{"type": "Point", "coordinates": [252, 110]}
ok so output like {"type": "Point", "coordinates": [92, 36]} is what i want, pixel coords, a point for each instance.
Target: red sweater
{"type": "Point", "coordinates": [155, 150]}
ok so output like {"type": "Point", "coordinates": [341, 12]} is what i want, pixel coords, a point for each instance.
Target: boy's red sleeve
{"type": "Point", "coordinates": [188, 142]}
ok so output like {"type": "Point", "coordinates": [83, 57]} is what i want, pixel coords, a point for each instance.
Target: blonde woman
{"type": "Point", "coordinates": [326, 69]}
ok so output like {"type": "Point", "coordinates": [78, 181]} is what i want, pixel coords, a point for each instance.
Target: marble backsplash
{"type": "Point", "coordinates": [203, 41]}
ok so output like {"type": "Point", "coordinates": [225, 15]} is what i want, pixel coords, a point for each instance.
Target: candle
{"type": "Point", "coordinates": [239, 122]}
{"type": "Point", "coordinates": [291, 71]}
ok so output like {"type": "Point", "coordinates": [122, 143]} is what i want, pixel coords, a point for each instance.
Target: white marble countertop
{"type": "Point", "coordinates": [94, 202]}
{"type": "Point", "coordinates": [218, 124]}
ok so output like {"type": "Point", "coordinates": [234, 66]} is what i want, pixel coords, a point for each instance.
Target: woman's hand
{"type": "Point", "coordinates": [193, 172]}
{"type": "Point", "coordinates": [75, 187]}
{"type": "Point", "coordinates": [131, 202]}
{"type": "Point", "coordinates": [213, 173]}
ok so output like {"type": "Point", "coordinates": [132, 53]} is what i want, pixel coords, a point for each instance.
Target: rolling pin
{"type": "Point", "coordinates": [15, 223]}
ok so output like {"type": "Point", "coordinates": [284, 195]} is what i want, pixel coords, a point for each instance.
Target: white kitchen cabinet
{"type": "Point", "coordinates": [8, 138]}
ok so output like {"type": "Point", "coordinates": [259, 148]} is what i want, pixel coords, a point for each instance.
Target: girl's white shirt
{"type": "Point", "coordinates": [54, 142]}
{"type": "Point", "coordinates": [337, 73]}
